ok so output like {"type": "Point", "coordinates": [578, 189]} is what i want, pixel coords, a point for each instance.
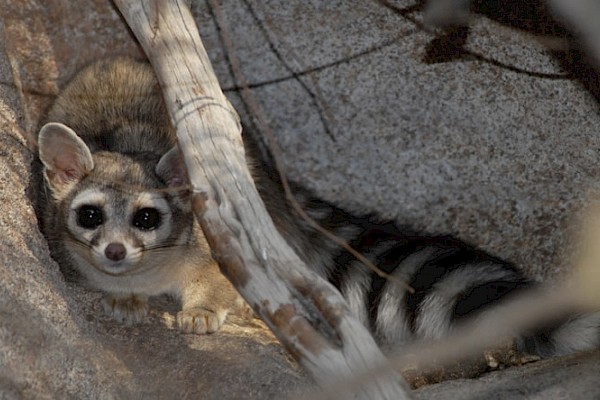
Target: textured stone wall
{"type": "Point", "coordinates": [485, 134]}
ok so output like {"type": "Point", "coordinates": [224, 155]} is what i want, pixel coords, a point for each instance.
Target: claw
{"type": "Point", "coordinates": [127, 310]}
{"type": "Point", "coordinates": [199, 320]}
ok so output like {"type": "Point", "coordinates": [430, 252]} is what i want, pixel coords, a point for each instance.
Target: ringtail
{"type": "Point", "coordinates": [109, 127]}
{"type": "Point", "coordinates": [117, 210]}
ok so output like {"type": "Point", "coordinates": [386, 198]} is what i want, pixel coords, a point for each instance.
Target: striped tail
{"type": "Point", "coordinates": [451, 279]}
{"type": "Point", "coordinates": [571, 334]}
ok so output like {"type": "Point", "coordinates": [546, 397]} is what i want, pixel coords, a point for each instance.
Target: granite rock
{"type": "Point", "coordinates": [482, 132]}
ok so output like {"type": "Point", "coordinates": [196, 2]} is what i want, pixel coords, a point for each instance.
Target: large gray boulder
{"type": "Point", "coordinates": [495, 143]}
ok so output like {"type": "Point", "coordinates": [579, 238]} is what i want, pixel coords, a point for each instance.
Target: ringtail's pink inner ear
{"type": "Point", "coordinates": [65, 156]}
{"type": "Point", "coordinates": [171, 168]}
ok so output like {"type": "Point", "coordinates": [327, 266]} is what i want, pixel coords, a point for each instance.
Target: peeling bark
{"type": "Point", "coordinates": [305, 312]}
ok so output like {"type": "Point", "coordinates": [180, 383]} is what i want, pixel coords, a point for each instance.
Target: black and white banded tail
{"type": "Point", "coordinates": [451, 279]}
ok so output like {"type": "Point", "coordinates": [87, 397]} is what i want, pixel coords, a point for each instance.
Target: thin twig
{"type": "Point", "coordinates": [276, 152]}
{"type": "Point", "coordinates": [306, 314]}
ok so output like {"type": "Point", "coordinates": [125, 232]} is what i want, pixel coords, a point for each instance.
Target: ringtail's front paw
{"type": "Point", "coordinates": [200, 320]}
{"type": "Point", "coordinates": [128, 310]}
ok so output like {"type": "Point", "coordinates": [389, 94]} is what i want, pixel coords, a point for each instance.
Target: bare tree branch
{"type": "Point", "coordinates": [276, 152]}
{"type": "Point", "coordinates": [305, 313]}
{"type": "Point", "coordinates": [308, 316]}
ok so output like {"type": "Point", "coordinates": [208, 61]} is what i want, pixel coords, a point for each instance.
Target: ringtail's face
{"type": "Point", "coordinates": [122, 232]}
{"type": "Point", "coordinates": [118, 216]}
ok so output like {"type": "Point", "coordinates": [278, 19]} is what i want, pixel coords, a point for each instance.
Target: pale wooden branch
{"type": "Point", "coordinates": [275, 150]}
{"type": "Point", "coordinates": [305, 312]}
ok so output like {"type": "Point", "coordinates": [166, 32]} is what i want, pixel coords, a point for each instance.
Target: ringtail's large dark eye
{"type": "Point", "coordinates": [146, 219]}
{"type": "Point", "coordinates": [89, 217]}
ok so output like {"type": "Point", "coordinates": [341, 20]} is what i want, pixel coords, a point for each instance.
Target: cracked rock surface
{"type": "Point", "coordinates": [484, 133]}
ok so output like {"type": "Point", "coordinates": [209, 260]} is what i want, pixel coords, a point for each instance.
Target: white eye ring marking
{"type": "Point", "coordinates": [151, 200]}
{"type": "Point", "coordinates": [89, 196]}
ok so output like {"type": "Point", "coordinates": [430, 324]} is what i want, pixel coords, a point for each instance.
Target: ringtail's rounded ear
{"type": "Point", "coordinates": [65, 156]}
{"type": "Point", "coordinates": [171, 168]}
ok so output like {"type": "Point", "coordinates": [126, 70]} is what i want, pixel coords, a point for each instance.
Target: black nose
{"type": "Point", "coordinates": [115, 251]}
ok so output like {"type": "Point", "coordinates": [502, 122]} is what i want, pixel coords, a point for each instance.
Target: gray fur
{"type": "Point", "coordinates": [108, 143]}
{"type": "Point", "coordinates": [435, 315]}
{"type": "Point", "coordinates": [120, 153]}
{"type": "Point", "coordinates": [391, 324]}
